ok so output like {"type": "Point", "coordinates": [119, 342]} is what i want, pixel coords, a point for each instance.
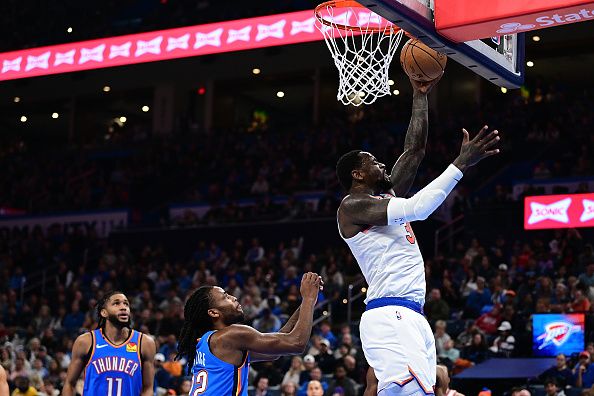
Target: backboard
{"type": "Point", "coordinates": [499, 60]}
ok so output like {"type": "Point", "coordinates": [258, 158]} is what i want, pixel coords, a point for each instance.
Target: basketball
{"type": "Point", "coordinates": [420, 62]}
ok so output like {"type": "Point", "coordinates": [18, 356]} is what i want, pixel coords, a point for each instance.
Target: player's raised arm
{"type": "Point", "coordinates": [80, 351]}
{"type": "Point", "coordinates": [405, 169]}
{"type": "Point", "coordinates": [294, 342]}
{"type": "Point", "coordinates": [363, 209]}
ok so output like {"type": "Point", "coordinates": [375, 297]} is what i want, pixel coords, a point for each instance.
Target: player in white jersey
{"type": "Point", "coordinates": [374, 221]}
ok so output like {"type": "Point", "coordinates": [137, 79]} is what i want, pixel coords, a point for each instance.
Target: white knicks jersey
{"type": "Point", "coordinates": [391, 261]}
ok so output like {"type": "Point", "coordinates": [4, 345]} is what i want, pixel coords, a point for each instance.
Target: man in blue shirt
{"type": "Point", "coordinates": [559, 371]}
{"type": "Point", "coordinates": [583, 372]}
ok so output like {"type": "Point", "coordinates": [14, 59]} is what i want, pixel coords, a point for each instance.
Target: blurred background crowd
{"type": "Point", "coordinates": [485, 280]}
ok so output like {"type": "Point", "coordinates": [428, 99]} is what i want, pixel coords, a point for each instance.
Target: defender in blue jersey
{"type": "Point", "coordinates": [117, 360]}
{"type": "Point", "coordinates": [219, 349]}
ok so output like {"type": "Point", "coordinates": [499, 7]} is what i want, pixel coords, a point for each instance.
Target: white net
{"type": "Point", "coordinates": [362, 45]}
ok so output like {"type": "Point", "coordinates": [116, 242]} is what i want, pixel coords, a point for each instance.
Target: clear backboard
{"type": "Point", "coordinates": [499, 59]}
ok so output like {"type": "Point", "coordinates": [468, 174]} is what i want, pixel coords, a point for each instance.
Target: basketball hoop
{"type": "Point", "coordinates": [362, 51]}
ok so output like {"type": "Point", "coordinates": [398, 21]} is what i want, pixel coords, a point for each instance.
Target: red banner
{"type": "Point", "coordinates": [462, 20]}
{"type": "Point", "coordinates": [243, 34]}
{"type": "Point", "coordinates": [559, 211]}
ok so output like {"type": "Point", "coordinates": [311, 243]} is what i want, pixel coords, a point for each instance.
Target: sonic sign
{"type": "Point", "coordinates": [557, 333]}
{"type": "Point", "coordinates": [559, 211]}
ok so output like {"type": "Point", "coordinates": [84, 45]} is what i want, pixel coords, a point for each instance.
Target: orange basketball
{"type": "Point", "coordinates": [420, 62]}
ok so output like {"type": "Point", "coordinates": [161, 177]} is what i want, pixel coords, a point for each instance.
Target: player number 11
{"type": "Point", "coordinates": [110, 386]}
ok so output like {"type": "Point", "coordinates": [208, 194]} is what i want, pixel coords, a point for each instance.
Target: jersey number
{"type": "Point", "coordinates": [410, 236]}
{"type": "Point", "coordinates": [118, 391]}
{"type": "Point", "coordinates": [199, 382]}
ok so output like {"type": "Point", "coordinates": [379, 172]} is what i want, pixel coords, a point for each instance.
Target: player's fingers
{"type": "Point", "coordinates": [491, 142]}
{"type": "Point", "coordinates": [488, 137]}
{"type": "Point", "coordinates": [481, 134]}
{"type": "Point", "coordinates": [465, 136]}
{"type": "Point", "coordinates": [490, 153]}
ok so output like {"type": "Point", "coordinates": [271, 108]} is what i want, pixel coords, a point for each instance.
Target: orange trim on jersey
{"type": "Point", "coordinates": [139, 348]}
{"type": "Point", "coordinates": [239, 370]}
{"type": "Point", "coordinates": [427, 392]}
{"type": "Point", "coordinates": [93, 343]}
{"type": "Point", "coordinates": [414, 376]}
{"type": "Point", "coordinates": [238, 392]}
{"type": "Point", "coordinates": [405, 381]}
{"type": "Point", "coordinates": [114, 345]}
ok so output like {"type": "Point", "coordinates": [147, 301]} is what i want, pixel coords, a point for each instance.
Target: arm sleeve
{"type": "Point", "coordinates": [424, 202]}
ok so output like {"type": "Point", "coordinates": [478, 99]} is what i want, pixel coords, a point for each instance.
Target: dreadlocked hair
{"type": "Point", "coordinates": [196, 323]}
{"type": "Point", "coordinates": [101, 304]}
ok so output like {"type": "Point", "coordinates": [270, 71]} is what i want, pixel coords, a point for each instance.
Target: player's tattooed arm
{"type": "Point", "coordinates": [405, 169]}
{"type": "Point", "coordinates": [365, 210]}
{"type": "Point", "coordinates": [80, 356]}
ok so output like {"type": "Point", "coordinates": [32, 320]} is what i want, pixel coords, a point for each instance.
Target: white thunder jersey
{"type": "Point", "coordinates": [390, 260]}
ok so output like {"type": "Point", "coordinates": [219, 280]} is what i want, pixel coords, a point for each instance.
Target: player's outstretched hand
{"type": "Point", "coordinates": [424, 87]}
{"type": "Point", "coordinates": [310, 286]}
{"type": "Point", "coordinates": [482, 146]}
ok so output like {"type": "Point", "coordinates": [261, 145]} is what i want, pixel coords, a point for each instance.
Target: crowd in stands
{"type": "Point", "coordinates": [222, 168]}
{"type": "Point", "coordinates": [479, 301]}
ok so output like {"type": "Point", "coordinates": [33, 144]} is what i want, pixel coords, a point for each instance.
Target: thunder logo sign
{"type": "Point", "coordinates": [557, 333]}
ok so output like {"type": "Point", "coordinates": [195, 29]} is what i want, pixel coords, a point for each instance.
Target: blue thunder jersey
{"type": "Point", "coordinates": [114, 370]}
{"type": "Point", "coordinates": [213, 377]}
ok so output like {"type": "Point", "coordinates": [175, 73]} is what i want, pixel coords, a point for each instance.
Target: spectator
{"type": "Point", "coordinates": [20, 370]}
{"type": "Point", "coordinates": [441, 337]}
{"type": "Point", "coordinates": [170, 346]}
{"type": "Point", "coordinates": [560, 299]}
{"type": "Point", "coordinates": [23, 388]}
{"type": "Point", "coordinates": [489, 321]}
{"type": "Point", "coordinates": [583, 372]}
{"type": "Point", "coordinates": [436, 308]}
{"type": "Point", "coordinates": [49, 389]}
{"type": "Point", "coordinates": [504, 343]}
{"type": "Point", "coordinates": [162, 377]}
{"type": "Point", "coordinates": [342, 381]}
{"type": "Point", "coordinates": [559, 371]}
{"type": "Point", "coordinates": [353, 370]}
{"type": "Point", "coordinates": [450, 352]}
{"type": "Point", "coordinates": [294, 372]}
{"type": "Point", "coordinates": [268, 322]}
{"type": "Point", "coordinates": [289, 389]}
{"type": "Point", "coordinates": [262, 388]}
{"type": "Point", "coordinates": [73, 321]}
{"type": "Point", "coordinates": [255, 253]}
{"type": "Point", "coordinates": [309, 363]}
{"type": "Point", "coordinates": [478, 298]}
{"type": "Point", "coordinates": [476, 352]}
{"type": "Point", "coordinates": [552, 388]}
{"type": "Point", "coordinates": [314, 388]}
{"type": "Point", "coordinates": [184, 387]}
{"type": "Point", "coordinates": [326, 332]}
{"type": "Point", "coordinates": [325, 359]}
{"type": "Point", "coordinates": [580, 302]}
{"type": "Point", "coordinates": [315, 376]}
{"type": "Point", "coordinates": [519, 391]}
{"type": "Point", "coordinates": [173, 366]}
